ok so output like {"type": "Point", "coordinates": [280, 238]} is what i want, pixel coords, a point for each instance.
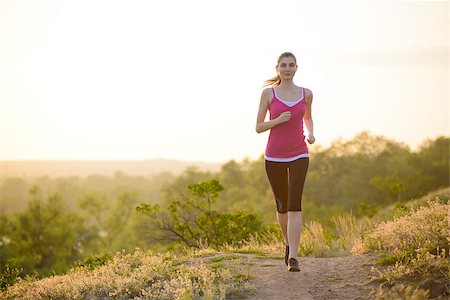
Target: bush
{"type": "Point", "coordinates": [425, 228]}
{"type": "Point", "coordinates": [94, 261]}
{"type": "Point", "coordinates": [417, 244]}
{"type": "Point", "coordinates": [8, 276]}
{"type": "Point", "coordinates": [190, 218]}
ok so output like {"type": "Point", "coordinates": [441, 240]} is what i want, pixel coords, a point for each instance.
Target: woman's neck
{"type": "Point", "coordinates": [287, 85]}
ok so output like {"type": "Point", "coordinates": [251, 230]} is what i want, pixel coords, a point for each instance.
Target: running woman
{"type": "Point", "coordinates": [286, 155]}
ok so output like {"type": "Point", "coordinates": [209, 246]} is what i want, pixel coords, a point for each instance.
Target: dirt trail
{"type": "Point", "coordinates": [319, 278]}
{"type": "Point", "coordinates": [334, 278]}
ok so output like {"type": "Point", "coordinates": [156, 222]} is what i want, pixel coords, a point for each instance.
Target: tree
{"type": "Point", "coordinates": [191, 219]}
{"type": "Point", "coordinates": [46, 237]}
{"type": "Point", "coordinates": [434, 162]}
{"type": "Point", "coordinates": [108, 219]}
{"type": "Point", "coordinates": [191, 175]}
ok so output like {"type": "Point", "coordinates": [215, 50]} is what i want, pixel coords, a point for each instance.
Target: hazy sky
{"type": "Point", "coordinates": [182, 79]}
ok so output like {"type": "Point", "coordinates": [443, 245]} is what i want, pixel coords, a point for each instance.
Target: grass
{"type": "Point", "coordinates": [142, 274]}
{"type": "Point", "coordinates": [228, 257]}
{"type": "Point", "coordinates": [414, 242]}
{"type": "Point", "coordinates": [390, 258]}
{"type": "Point", "coordinates": [415, 246]}
{"type": "Point", "coordinates": [248, 251]}
{"type": "Point", "coordinates": [401, 291]}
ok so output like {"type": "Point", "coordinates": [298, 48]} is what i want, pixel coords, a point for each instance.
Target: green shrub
{"type": "Point", "coordinates": [94, 261]}
{"type": "Point", "coordinates": [8, 276]}
{"type": "Point", "coordinates": [190, 218]}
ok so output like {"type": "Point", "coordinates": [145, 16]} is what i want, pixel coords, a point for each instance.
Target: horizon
{"type": "Point", "coordinates": [312, 147]}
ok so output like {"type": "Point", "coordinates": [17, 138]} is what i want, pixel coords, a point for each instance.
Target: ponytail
{"type": "Point", "coordinates": [273, 81]}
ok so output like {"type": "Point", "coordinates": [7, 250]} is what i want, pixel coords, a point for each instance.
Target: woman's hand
{"type": "Point", "coordinates": [284, 117]}
{"type": "Point", "coordinates": [311, 139]}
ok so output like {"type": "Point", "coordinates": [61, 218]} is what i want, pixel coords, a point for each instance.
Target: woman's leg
{"type": "Point", "coordinates": [277, 174]}
{"type": "Point", "coordinates": [283, 221]}
{"type": "Point", "coordinates": [297, 176]}
{"type": "Point", "coordinates": [294, 231]}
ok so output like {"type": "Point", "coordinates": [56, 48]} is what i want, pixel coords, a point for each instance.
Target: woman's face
{"type": "Point", "coordinates": [287, 68]}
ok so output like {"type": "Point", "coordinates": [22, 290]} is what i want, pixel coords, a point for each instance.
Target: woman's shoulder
{"type": "Point", "coordinates": [308, 94]}
{"type": "Point", "coordinates": [307, 91]}
{"type": "Point", "coordinates": [267, 93]}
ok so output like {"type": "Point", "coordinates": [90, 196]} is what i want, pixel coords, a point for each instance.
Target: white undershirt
{"type": "Point", "coordinates": [286, 159]}
{"type": "Point", "coordinates": [288, 103]}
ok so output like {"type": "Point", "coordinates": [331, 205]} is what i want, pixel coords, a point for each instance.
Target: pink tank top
{"type": "Point", "coordinates": [287, 140]}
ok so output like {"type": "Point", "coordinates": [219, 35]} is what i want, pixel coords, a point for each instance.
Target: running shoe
{"type": "Point", "coordinates": [293, 265]}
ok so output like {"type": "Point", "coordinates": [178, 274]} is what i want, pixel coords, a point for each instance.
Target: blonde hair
{"type": "Point", "coordinates": [274, 81]}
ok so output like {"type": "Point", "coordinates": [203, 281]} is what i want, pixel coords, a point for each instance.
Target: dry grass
{"type": "Point", "coordinates": [423, 229]}
{"type": "Point", "coordinates": [141, 275]}
{"type": "Point", "coordinates": [401, 291]}
{"type": "Point", "coordinates": [416, 247]}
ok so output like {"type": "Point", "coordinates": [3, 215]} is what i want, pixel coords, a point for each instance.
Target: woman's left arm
{"type": "Point", "coordinates": [308, 117]}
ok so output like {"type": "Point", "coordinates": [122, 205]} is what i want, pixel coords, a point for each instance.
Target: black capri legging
{"type": "Point", "coordinates": [287, 180]}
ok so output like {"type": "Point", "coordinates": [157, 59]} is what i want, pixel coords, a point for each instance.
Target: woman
{"type": "Point", "coordinates": [286, 155]}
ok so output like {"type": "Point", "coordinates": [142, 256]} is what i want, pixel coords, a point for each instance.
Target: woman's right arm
{"type": "Point", "coordinates": [262, 126]}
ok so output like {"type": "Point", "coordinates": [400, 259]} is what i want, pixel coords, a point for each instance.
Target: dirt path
{"type": "Point", "coordinates": [346, 277]}
{"type": "Point", "coordinates": [319, 278]}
